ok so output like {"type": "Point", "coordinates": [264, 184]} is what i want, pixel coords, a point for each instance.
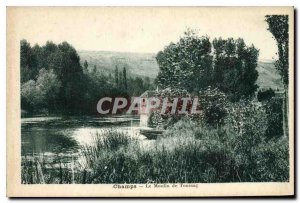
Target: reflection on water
{"type": "Point", "coordinates": [57, 135]}
{"type": "Point", "coordinates": [54, 149]}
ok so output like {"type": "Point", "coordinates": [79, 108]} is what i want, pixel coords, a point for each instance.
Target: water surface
{"type": "Point", "coordinates": [65, 135]}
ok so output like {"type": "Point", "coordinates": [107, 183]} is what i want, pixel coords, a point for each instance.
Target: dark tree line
{"type": "Point", "coordinates": [53, 81]}
{"type": "Point", "coordinates": [51, 77]}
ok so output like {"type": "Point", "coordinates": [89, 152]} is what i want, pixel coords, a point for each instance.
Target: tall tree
{"type": "Point", "coordinates": [85, 65]}
{"type": "Point", "coordinates": [71, 75]}
{"type": "Point", "coordinates": [186, 64]}
{"type": "Point", "coordinates": [279, 27]}
{"type": "Point", "coordinates": [95, 69]}
{"type": "Point", "coordinates": [235, 68]}
{"type": "Point", "coordinates": [121, 82]}
{"type": "Point", "coordinates": [42, 93]}
{"type": "Point", "coordinates": [194, 64]}
{"type": "Point", "coordinates": [64, 61]}
{"type": "Point", "coordinates": [117, 76]}
{"type": "Point", "coordinates": [124, 78]}
{"type": "Point", "coordinates": [28, 62]}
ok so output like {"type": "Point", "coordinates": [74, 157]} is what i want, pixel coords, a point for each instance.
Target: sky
{"type": "Point", "coordinates": [142, 29]}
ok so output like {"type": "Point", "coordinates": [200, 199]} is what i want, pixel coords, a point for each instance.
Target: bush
{"type": "Point", "coordinates": [274, 114]}
{"type": "Point", "coordinates": [272, 161]}
{"type": "Point", "coordinates": [214, 105]}
{"type": "Point", "coordinates": [248, 119]}
{"type": "Point", "coordinates": [265, 95]}
{"type": "Point", "coordinates": [159, 120]}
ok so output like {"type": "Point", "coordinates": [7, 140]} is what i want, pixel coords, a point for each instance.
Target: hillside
{"type": "Point", "coordinates": [137, 64]}
{"type": "Point", "coordinates": [144, 64]}
{"type": "Point", "coordinates": [268, 76]}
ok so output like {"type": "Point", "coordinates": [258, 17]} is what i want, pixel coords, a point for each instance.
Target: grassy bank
{"type": "Point", "coordinates": [188, 152]}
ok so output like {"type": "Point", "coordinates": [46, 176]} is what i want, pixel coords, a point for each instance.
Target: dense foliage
{"type": "Point", "coordinates": [279, 27]}
{"type": "Point", "coordinates": [212, 104]}
{"type": "Point", "coordinates": [235, 138]}
{"type": "Point", "coordinates": [265, 95]}
{"type": "Point", "coordinates": [53, 81]}
{"type": "Point", "coordinates": [195, 63]}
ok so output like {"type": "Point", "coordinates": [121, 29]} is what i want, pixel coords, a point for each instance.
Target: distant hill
{"type": "Point", "coordinates": [137, 64]}
{"type": "Point", "coordinates": [268, 76]}
{"type": "Point", "coordinates": [144, 64]}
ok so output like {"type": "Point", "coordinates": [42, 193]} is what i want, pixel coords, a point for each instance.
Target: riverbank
{"type": "Point", "coordinates": [186, 153]}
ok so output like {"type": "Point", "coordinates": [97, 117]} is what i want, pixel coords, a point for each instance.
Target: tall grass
{"type": "Point", "coordinates": [108, 141]}
{"type": "Point", "coordinates": [38, 171]}
{"type": "Point", "coordinates": [188, 152]}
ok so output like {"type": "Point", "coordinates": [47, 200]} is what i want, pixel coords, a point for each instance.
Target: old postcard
{"type": "Point", "coordinates": [150, 101]}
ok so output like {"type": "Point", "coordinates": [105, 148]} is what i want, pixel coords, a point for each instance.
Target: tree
{"type": "Point", "coordinates": [52, 80]}
{"type": "Point", "coordinates": [279, 27]}
{"type": "Point", "coordinates": [186, 64]}
{"type": "Point", "coordinates": [117, 77]}
{"type": "Point", "coordinates": [235, 68]}
{"type": "Point", "coordinates": [30, 98]}
{"type": "Point", "coordinates": [65, 63]}
{"type": "Point", "coordinates": [42, 93]}
{"type": "Point", "coordinates": [194, 63]}
{"type": "Point", "coordinates": [85, 65]}
{"type": "Point", "coordinates": [121, 87]}
{"type": "Point", "coordinates": [214, 104]}
{"type": "Point", "coordinates": [28, 62]}
{"type": "Point", "coordinates": [48, 87]}
{"type": "Point", "coordinates": [124, 78]}
{"type": "Point", "coordinates": [70, 73]}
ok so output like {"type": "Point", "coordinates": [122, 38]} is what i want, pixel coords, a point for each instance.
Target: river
{"type": "Point", "coordinates": [65, 135]}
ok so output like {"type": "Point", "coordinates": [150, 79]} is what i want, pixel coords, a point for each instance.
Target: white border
{"type": "Point", "coordinates": [5, 3]}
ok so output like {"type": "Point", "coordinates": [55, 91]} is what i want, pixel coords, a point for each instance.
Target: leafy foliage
{"type": "Point", "coordinates": [185, 64]}
{"type": "Point", "coordinates": [42, 92]}
{"type": "Point", "coordinates": [279, 27]}
{"type": "Point", "coordinates": [64, 86]}
{"type": "Point", "coordinates": [214, 104]}
{"type": "Point", "coordinates": [166, 119]}
{"type": "Point", "coordinates": [273, 108]}
{"type": "Point", "coordinates": [265, 95]}
{"type": "Point", "coordinates": [195, 63]}
{"type": "Point", "coordinates": [235, 68]}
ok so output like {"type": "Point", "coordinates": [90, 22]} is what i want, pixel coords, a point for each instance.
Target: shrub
{"type": "Point", "coordinates": [272, 161]}
{"type": "Point", "coordinates": [248, 119]}
{"type": "Point", "coordinates": [273, 109]}
{"type": "Point", "coordinates": [214, 104]}
{"type": "Point", "coordinates": [265, 95]}
{"type": "Point", "coordinates": [159, 120]}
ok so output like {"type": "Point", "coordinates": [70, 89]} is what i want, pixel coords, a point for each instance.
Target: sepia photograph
{"type": "Point", "coordinates": [150, 101]}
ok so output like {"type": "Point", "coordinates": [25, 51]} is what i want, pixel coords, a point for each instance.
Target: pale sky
{"type": "Point", "coordinates": [142, 29]}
